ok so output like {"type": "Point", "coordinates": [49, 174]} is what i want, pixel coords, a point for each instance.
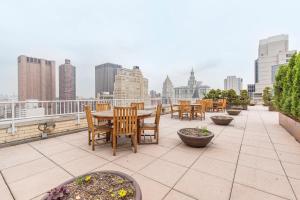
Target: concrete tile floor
{"type": "Point", "coordinates": [253, 158]}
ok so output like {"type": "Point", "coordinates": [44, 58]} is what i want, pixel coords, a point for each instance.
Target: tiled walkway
{"type": "Point", "coordinates": [254, 158]}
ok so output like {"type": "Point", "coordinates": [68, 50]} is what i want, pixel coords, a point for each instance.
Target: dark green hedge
{"type": "Point", "coordinates": [287, 88]}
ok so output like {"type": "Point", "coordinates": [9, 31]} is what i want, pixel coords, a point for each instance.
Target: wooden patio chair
{"type": "Point", "coordinates": [209, 105]}
{"type": "Point", "coordinates": [139, 106]}
{"type": "Point", "coordinates": [152, 126]}
{"type": "Point", "coordinates": [174, 109]}
{"type": "Point", "coordinates": [185, 109]}
{"type": "Point", "coordinates": [94, 130]}
{"type": "Point", "coordinates": [102, 107]}
{"type": "Point", "coordinates": [125, 123]}
{"type": "Point", "coordinates": [200, 109]}
{"type": "Point", "coordinates": [222, 105]}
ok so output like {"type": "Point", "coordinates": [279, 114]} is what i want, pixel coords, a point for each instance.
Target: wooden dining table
{"type": "Point", "coordinates": [109, 116]}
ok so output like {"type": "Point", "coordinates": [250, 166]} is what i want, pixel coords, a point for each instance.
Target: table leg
{"type": "Point", "coordinates": [108, 134]}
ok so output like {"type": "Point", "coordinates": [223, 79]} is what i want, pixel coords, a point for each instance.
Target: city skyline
{"type": "Point", "coordinates": [214, 39]}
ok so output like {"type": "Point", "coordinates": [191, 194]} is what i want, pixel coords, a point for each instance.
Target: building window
{"type": "Point", "coordinates": [274, 71]}
{"type": "Point", "coordinates": [27, 59]}
{"type": "Point", "coordinates": [256, 71]}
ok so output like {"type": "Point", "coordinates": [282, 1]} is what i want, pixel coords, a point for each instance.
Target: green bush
{"type": "Point", "coordinates": [267, 96]}
{"type": "Point", "coordinates": [244, 98]}
{"type": "Point", "coordinates": [278, 86]}
{"type": "Point", "coordinates": [287, 88]}
{"type": "Point", "coordinates": [295, 109]}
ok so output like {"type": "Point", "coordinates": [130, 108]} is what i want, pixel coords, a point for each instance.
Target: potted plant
{"type": "Point", "coordinates": [244, 99]}
{"type": "Point", "coordinates": [97, 185]}
{"type": "Point", "coordinates": [195, 137]}
{"type": "Point", "coordinates": [221, 120]}
{"type": "Point", "coordinates": [233, 111]}
{"type": "Point", "coordinates": [232, 98]}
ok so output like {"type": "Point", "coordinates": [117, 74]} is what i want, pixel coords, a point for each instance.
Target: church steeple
{"type": "Point", "coordinates": [192, 80]}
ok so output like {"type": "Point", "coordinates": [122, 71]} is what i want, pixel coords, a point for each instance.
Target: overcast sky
{"type": "Point", "coordinates": [164, 37]}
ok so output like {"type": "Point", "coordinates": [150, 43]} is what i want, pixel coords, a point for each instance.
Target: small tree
{"type": "Point", "coordinates": [244, 98]}
{"type": "Point", "coordinates": [288, 85]}
{"type": "Point", "coordinates": [213, 94]}
{"type": "Point", "coordinates": [224, 94]}
{"type": "Point", "coordinates": [295, 109]}
{"type": "Point", "coordinates": [267, 96]}
{"type": "Point", "coordinates": [232, 97]}
{"type": "Point", "coordinates": [278, 86]}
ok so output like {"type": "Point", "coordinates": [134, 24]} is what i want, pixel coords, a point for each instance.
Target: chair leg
{"type": "Point", "coordinates": [114, 145]}
{"type": "Point", "coordinates": [134, 141]}
{"type": "Point", "coordinates": [93, 141]}
{"type": "Point", "coordinates": [157, 135]}
{"type": "Point", "coordinates": [89, 137]}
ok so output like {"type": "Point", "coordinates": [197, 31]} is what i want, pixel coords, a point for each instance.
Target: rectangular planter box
{"type": "Point", "coordinates": [292, 126]}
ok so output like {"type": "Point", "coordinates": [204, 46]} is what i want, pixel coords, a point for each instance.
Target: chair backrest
{"type": "Point", "coordinates": [102, 107]}
{"type": "Point", "coordinates": [125, 120]}
{"type": "Point", "coordinates": [157, 114]}
{"type": "Point", "coordinates": [184, 105]}
{"type": "Point", "coordinates": [139, 106]}
{"type": "Point", "coordinates": [199, 101]}
{"type": "Point", "coordinates": [89, 117]}
{"type": "Point", "coordinates": [209, 103]}
{"type": "Point", "coordinates": [224, 103]}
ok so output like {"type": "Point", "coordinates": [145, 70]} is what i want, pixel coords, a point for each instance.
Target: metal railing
{"type": "Point", "coordinates": [12, 112]}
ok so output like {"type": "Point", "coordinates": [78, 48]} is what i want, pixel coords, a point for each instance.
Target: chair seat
{"type": "Point", "coordinates": [103, 128]}
{"type": "Point", "coordinates": [148, 125]}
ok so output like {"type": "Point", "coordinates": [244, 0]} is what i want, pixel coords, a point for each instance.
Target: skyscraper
{"type": "Point", "coordinates": [234, 83]}
{"type": "Point", "coordinates": [36, 78]}
{"type": "Point", "coordinates": [272, 52]}
{"type": "Point", "coordinates": [167, 90]}
{"type": "Point", "coordinates": [130, 84]}
{"type": "Point", "coordinates": [105, 78]}
{"type": "Point", "coordinates": [67, 81]}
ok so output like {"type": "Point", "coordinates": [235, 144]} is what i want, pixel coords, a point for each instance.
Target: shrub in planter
{"type": "Point", "coordinates": [271, 106]}
{"type": "Point", "coordinates": [244, 99]}
{"type": "Point", "coordinates": [97, 185]}
{"type": "Point", "coordinates": [221, 120]}
{"type": "Point", "coordinates": [267, 96]}
{"type": "Point", "coordinates": [287, 95]}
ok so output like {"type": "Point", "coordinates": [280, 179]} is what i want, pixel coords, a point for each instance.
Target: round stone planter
{"type": "Point", "coordinates": [193, 140]}
{"type": "Point", "coordinates": [233, 112]}
{"type": "Point", "coordinates": [221, 120]}
{"type": "Point", "coordinates": [138, 193]}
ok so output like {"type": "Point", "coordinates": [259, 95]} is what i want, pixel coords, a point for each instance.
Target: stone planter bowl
{"type": "Point", "coordinates": [195, 141]}
{"type": "Point", "coordinates": [221, 120]}
{"type": "Point", "coordinates": [138, 193]}
{"type": "Point", "coordinates": [233, 112]}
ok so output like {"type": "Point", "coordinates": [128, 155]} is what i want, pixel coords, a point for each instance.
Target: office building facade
{"type": "Point", "coordinates": [36, 79]}
{"type": "Point", "coordinates": [130, 84]}
{"type": "Point", "coordinates": [67, 81]}
{"type": "Point", "coordinates": [234, 83]}
{"type": "Point", "coordinates": [272, 52]}
{"type": "Point", "coordinates": [105, 78]}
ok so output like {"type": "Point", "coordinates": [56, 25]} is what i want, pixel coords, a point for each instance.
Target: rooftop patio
{"type": "Point", "coordinates": [253, 158]}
